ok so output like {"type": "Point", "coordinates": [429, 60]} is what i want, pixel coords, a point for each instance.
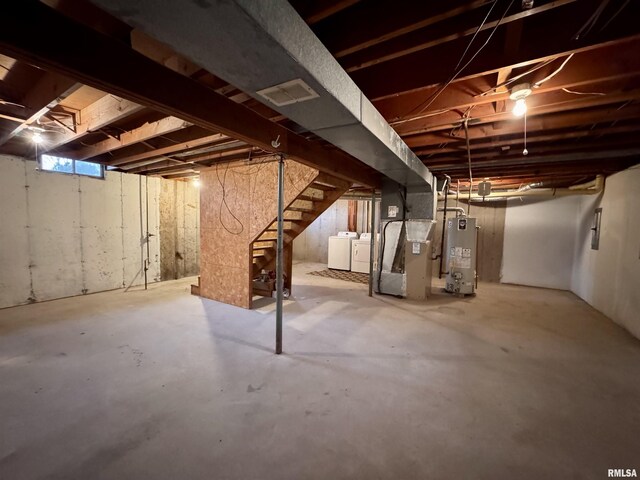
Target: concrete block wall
{"type": "Point", "coordinates": [609, 278]}
{"type": "Point", "coordinates": [539, 241]}
{"type": "Point", "coordinates": [313, 243]}
{"type": "Point", "coordinates": [63, 235]}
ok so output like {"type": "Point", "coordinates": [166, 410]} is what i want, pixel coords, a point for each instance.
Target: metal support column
{"type": "Point", "coordinates": [373, 240]}
{"type": "Point", "coordinates": [147, 261]}
{"type": "Point", "coordinates": [280, 256]}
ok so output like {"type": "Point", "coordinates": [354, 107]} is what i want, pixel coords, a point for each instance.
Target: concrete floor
{"type": "Point", "coordinates": [515, 383]}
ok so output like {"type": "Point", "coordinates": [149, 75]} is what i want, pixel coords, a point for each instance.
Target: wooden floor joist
{"type": "Point", "coordinates": [107, 64]}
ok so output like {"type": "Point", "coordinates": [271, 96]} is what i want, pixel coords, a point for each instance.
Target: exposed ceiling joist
{"type": "Point", "coordinates": [48, 92]}
{"type": "Point", "coordinates": [539, 124]}
{"type": "Point", "coordinates": [317, 10]}
{"type": "Point", "coordinates": [557, 102]}
{"type": "Point", "coordinates": [434, 36]}
{"type": "Point", "coordinates": [112, 66]}
{"type": "Point", "coordinates": [435, 65]}
{"type": "Point", "coordinates": [145, 132]}
{"type": "Point", "coordinates": [458, 145]}
{"type": "Point", "coordinates": [94, 117]}
{"type": "Point", "coordinates": [604, 64]}
{"type": "Point", "coordinates": [159, 152]}
{"type": "Point", "coordinates": [341, 38]}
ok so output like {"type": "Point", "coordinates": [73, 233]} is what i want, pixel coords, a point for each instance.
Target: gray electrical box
{"type": "Point", "coordinates": [461, 255]}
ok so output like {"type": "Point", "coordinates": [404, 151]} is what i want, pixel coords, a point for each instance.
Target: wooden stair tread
{"type": "Point", "coordinates": [262, 244]}
{"type": "Point", "coordinates": [315, 199]}
{"type": "Point", "coordinates": [299, 209]}
{"type": "Point", "coordinates": [275, 228]}
{"type": "Point", "coordinates": [322, 186]}
{"type": "Point", "coordinates": [308, 198]}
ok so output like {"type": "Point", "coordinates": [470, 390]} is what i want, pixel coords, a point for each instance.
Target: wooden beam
{"type": "Point", "coordinates": [146, 165]}
{"type": "Point", "coordinates": [13, 118]}
{"type": "Point", "coordinates": [613, 63]}
{"type": "Point", "coordinates": [532, 160]}
{"type": "Point", "coordinates": [425, 21]}
{"type": "Point", "coordinates": [549, 150]}
{"type": "Point", "coordinates": [552, 103]}
{"type": "Point", "coordinates": [232, 149]}
{"type": "Point", "coordinates": [158, 51]}
{"type": "Point", "coordinates": [112, 66]}
{"type": "Point", "coordinates": [540, 40]}
{"type": "Point", "coordinates": [542, 123]}
{"type": "Point", "coordinates": [94, 117]}
{"type": "Point", "coordinates": [140, 134]}
{"type": "Point", "coordinates": [377, 23]}
{"type": "Point", "coordinates": [159, 152]}
{"type": "Point", "coordinates": [422, 40]}
{"type": "Point", "coordinates": [48, 92]}
{"type": "Point", "coordinates": [315, 11]}
{"type": "Point", "coordinates": [459, 145]}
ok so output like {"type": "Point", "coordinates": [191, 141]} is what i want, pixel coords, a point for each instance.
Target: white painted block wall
{"type": "Point", "coordinates": [609, 278]}
{"type": "Point", "coordinates": [313, 243]}
{"type": "Point", "coordinates": [539, 242]}
{"type": "Point", "coordinates": [63, 235]}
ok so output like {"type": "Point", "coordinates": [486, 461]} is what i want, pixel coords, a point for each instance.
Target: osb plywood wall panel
{"type": "Point", "coordinates": [237, 203]}
{"type": "Point", "coordinates": [490, 239]}
{"type": "Point", "coordinates": [179, 229]}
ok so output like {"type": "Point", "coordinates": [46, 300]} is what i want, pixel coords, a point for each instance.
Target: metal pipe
{"type": "Point", "coordinates": [476, 255]}
{"type": "Point", "coordinates": [466, 135]}
{"type": "Point", "coordinates": [446, 209]}
{"type": "Point", "coordinates": [280, 256]}
{"type": "Point", "coordinates": [444, 224]}
{"type": "Point", "coordinates": [146, 262]}
{"type": "Point", "coordinates": [373, 234]}
{"type": "Point", "coordinates": [589, 188]}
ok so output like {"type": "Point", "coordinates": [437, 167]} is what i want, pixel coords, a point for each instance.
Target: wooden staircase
{"type": "Point", "coordinates": [319, 195]}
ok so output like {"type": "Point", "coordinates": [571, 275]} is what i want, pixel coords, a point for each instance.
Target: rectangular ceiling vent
{"type": "Point", "coordinates": [294, 91]}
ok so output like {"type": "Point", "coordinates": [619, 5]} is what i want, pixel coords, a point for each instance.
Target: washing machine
{"type": "Point", "coordinates": [340, 250]}
{"type": "Point", "coordinates": [360, 254]}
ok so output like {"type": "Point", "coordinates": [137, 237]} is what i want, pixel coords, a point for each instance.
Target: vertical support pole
{"type": "Point", "coordinates": [146, 193]}
{"type": "Point", "coordinates": [373, 239]}
{"type": "Point", "coordinates": [280, 256]}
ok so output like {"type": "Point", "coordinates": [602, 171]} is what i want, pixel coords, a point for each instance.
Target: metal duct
{"type": "Point", "coordinates": [255, 45]}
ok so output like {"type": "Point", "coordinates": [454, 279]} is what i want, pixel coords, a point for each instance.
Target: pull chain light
{"type": "Point", "coordinates": [525, 151]}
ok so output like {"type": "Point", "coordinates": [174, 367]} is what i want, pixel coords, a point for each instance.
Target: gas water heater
{"type": "Point", "coordinates": [461, 255]}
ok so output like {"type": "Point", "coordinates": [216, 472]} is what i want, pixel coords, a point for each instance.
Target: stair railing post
{"type": "Point", "coordinates": [280, 256]}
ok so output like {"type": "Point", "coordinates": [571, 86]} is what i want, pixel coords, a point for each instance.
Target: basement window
{"type": "Point", "coordinates": [51, 163]}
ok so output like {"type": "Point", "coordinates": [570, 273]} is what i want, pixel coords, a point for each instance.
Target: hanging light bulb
{"type": "Point", "coordinates": [519, 93]}
{"type": "Point", "coordinates": [520, 108]}
{"type": "Point", "coordinates": [196, 183]}
{"type": "Point", "coordinates": [37, 138]}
